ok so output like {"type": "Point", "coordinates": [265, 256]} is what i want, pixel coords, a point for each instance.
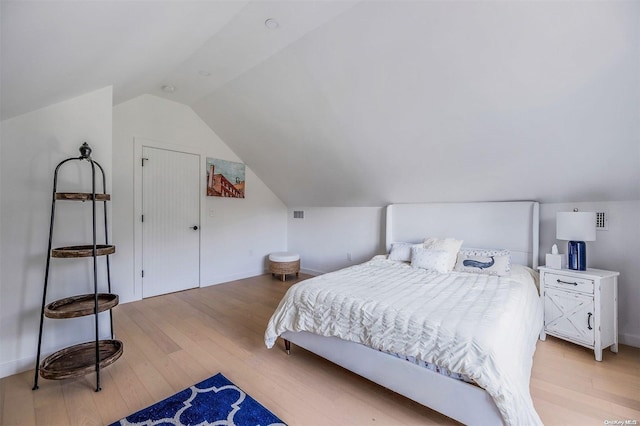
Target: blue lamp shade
{"type": "Point", "coordinates": [576, 227]}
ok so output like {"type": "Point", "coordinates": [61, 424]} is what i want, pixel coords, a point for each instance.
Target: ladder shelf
{"type": "Point", "coordinates": [87, 357]}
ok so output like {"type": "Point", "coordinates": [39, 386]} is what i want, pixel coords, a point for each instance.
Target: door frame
{"type": "Point", "coordinates": [138, 144]}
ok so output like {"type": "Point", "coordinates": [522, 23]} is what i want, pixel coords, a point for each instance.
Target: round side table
{"type": "Point", "coordinates": [283, 263]}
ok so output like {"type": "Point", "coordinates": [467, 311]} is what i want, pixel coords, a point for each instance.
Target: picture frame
{"type": "Point", "coordinates": [225, 178]}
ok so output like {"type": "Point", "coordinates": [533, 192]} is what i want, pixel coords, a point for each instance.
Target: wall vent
{"type": "Point", "coordinates": [602, 222]}
{"type": "Point", "coordinates": [298, 214]}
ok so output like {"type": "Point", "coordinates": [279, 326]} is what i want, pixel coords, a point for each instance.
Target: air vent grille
{"type": "Point", "coordinates": [601, 221]}
{"type": "Point", "coordinates": [298, 214]}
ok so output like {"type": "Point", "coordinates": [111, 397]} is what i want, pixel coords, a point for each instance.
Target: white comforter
{"type": "Point", "coordinates": [483, 326]}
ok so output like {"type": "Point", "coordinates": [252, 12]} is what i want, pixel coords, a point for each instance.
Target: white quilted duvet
{"type": "Point", "coordinates": [483, 326]}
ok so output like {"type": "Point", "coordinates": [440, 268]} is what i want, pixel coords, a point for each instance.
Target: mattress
{"type": "Point", "coordinates": [479, 326]}
{"type": "Point", "coordinates": [433, 367]}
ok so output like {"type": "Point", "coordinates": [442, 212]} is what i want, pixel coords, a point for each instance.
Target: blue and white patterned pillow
{"type": "Point", "coordinates": [489, 265]}
{"type": "Point", "coordinates": [467, 251]}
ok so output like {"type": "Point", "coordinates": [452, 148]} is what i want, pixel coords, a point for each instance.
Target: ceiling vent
{"type": "Point", "coordinates": [298, 214]}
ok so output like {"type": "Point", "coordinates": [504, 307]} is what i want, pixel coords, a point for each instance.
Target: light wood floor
{"type": "Point", "coordinates": [174, 341]}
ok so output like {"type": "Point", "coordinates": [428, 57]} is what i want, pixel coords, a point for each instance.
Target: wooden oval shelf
{"type": "Point", "coordinates": [81, 196]}
{"type": "Point", "coordinates": [82, 251]}
{"type": "Point", "coordinates": [79, 306]}
{"type": "Point", "coordinates": [79, 360]}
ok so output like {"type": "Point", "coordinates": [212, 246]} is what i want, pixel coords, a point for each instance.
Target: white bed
{"type": "Point", "coordinates": [512, 225]}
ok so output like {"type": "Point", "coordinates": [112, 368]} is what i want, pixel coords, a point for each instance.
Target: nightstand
{"type": "Point", "coordinates": [581, 307]}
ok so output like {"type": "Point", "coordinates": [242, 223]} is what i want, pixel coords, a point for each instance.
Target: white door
{"type": "Point", "coordinates": [170, 221]}
{"type": "Point", "coordinates": [570, 314]}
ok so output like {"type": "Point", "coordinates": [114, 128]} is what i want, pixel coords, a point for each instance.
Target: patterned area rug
{"type": "Point", "coordinates": [215, 401]}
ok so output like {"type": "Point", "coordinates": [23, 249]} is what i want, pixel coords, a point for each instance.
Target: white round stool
{"type": "Point", "coordinates": [283, 263]}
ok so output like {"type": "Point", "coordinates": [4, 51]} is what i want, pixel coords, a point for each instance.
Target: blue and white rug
{"type": "Point", "coordinates": [215, 401]}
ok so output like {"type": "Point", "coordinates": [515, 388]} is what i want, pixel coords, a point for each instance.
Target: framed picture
{"type": "Point", "coordinates": [225, 178]}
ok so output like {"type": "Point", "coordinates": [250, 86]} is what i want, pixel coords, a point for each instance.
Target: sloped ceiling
{"type": "Point", "coordinates": [370, 102]}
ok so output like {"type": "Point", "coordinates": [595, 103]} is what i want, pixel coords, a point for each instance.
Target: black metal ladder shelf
{"type": "Point", "coordinates": [83, 358]}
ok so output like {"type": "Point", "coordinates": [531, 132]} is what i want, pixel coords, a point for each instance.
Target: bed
{"type": "Point", "coordinates": [478, 326]}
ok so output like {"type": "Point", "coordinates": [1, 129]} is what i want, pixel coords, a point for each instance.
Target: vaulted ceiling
{"type": "Point", "coordinates": [350, 103]}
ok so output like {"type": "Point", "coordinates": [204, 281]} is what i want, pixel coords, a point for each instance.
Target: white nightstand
{"type": "Point", "coordinates": [581, 307]}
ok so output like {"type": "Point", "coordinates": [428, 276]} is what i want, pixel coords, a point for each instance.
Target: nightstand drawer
{"type": "Point", "coordinates": [568, 283]}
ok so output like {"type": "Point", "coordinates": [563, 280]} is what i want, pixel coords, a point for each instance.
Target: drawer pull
{"type": "Point", "coordinates": [589, 315]}
{"type": "Point", "coordinates": [566, 282]}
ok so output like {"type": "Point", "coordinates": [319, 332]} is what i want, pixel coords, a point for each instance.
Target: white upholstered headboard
{"type": "Point", "coordinates": [511, 225]}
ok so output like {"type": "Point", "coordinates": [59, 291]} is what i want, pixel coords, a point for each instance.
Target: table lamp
{"type": "Point", "coordinates": [576, 227]}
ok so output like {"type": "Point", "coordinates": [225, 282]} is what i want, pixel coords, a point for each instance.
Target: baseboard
{"type": "Point", "coordinates": [248, 274]}
{"type": "Point", "coordinates": [629, 339]}
{"type": "Point", "coordinates": [233, 277]}
{"type": "Point", "coordinates": [16, 366]}
{"type": "Point", "coordinates": [311, 272]}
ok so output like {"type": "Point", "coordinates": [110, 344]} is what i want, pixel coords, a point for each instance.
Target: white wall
{"type": "Point", "coordinates": [32, 145]}
{"type": "Point", "coordinates": [325, 236]}
{"type": "Point", "coordinates": [234, 242]}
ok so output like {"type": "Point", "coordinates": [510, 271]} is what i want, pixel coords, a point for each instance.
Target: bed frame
{"type": "Point", "coordinates": [511, 225]}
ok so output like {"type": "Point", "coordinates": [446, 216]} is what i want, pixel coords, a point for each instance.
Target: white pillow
{"type": "Point", "coordinates": [450, 245]}
{"type": "Point", "coordinates": [466, 251]}
{"type": "Point", "coordinates": [401, 251]}
{"type": "Point", "coordinates": [490, 265]}
{"type": "Point", "coordinates": [433, 260]}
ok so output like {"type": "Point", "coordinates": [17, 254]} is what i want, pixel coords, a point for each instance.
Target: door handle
{"type": "Point", "coordinates": [589, 315]}
{"type": "Point", "coordinates": [194, 227]}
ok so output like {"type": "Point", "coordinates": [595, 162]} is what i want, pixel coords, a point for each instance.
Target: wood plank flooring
{"type": "Point", "coordinates": [176, 340]}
